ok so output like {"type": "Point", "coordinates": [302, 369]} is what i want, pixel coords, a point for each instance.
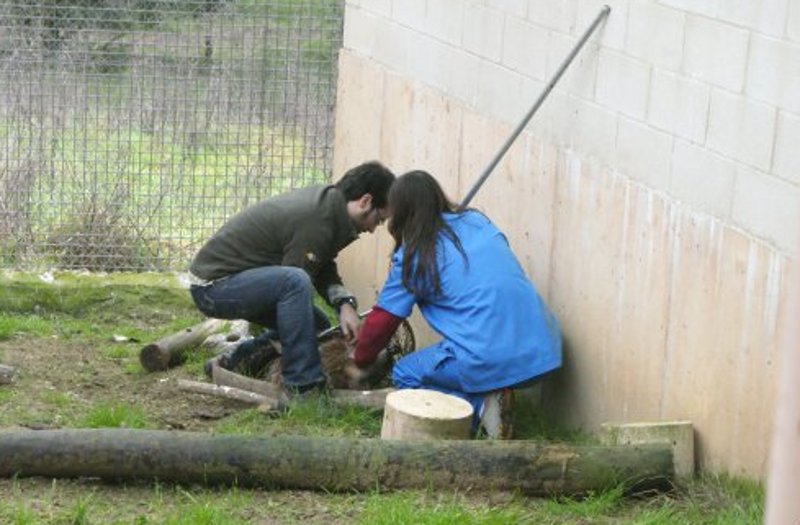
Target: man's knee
{"type": "Point", "coordinates": [297, 279]}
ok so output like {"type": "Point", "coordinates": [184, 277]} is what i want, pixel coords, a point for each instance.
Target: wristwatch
{"type": "Point", "coordinates": [348, 299]}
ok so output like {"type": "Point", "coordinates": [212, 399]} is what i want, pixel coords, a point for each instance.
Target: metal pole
{"type": "Point", "coordinates": [548, 88]}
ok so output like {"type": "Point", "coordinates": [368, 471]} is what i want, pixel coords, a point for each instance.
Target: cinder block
{"type": "Point", "coordinates": [382, 7]}
{"type": "Point", "coordinates": [700, 7]}
{"type": "Point", "coordinates": [643, 153]}
{"type": "Point", "coordinates": [410, 13]}
{"type": "Point", "coordinates": [524, 48]}
{"type": "Point", "coordinates": [767, 207]}
{"type": "Point", "coordinates": [483, 31]}
{"type": "Point", "coordinates": [715, 52]}
{"type": "Point", "coordinates": [679, 434]}
{"type": "Point", "coordinates": [655, 34]}
{"type": "Point", "coordinates": [703, 179]}
{"type": "Point", "coordinates": [773, 72]}
{"type": "Point", "coordinates": [445, 20]}
{"type": "Point", "coordinates": [787, 155]}
{"type": "Point", "coordinates": [580, 78]}
{"type": "Point", "coordinates": [594, 132]}
{"type": "Point", "coordinates": [359, 33]}
{"type": "Point", "coordinates": [679, 105]}
{"type": "Point", "coordinates": [623, 83]}
{"type": "Point", "coordinates": [793, 26]}
{"type": "Point", "coordinates": [611, 33]}
{"type": "Point", "coordinates": [741, 129]}
{"type": "Point", "coordinates": [501, 92]}
{"type": "Point", "coordinates": [518, 8]}
{"type": "Point", "coordinates": [765, 16]}
{"type": "Point", "coordinates": [553, 15]}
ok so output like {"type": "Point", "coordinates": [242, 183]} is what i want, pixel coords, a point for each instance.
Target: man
{"type": "Point", "coordinates": [264, 263]}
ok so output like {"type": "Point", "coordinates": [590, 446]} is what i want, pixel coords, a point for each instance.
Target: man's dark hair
{"type": "Point", "coordinates": [370, 177]}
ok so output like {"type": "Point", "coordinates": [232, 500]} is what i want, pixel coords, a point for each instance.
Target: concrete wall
{"type": "Point", "coordinates": [653, 199]}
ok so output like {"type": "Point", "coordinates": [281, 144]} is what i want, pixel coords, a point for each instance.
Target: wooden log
{"type": "Point", "coordinates": [216, 344]}
{"type": "Point", "coordinates": [227, 392]}
{"type": "Point", "coordinates": [239, 329]}
{"type": "Point", "coordinates": [6, 374]}
{"type": "Point", "coordinates": [365, 398]}
{"type": "Point", "coordinates": [332, 464]}
{"type": "Point", "coordinates": [168, 351]}
{"type": "Point", "coordinates": [224, 377]}
{"type": "Point", "coordinates": [424, 415]}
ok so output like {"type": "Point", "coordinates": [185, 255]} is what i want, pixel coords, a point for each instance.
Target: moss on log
{"type": "Point", "coordinates": [332, 464]}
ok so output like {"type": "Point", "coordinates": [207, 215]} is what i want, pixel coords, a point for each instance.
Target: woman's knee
{"type": "Point", "coordinates": [405, 376]}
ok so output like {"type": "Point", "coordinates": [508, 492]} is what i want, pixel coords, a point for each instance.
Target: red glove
{"type": "Point", "coordinates": [378, 328]}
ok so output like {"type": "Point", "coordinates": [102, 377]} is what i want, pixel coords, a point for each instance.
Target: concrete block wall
{"type": "Point", "coordinates": [654, 199]}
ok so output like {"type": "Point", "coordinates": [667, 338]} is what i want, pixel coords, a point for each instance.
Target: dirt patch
{"type": "Point", "coordinates": [61, 381]}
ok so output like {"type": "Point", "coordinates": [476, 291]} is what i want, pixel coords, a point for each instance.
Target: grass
{"type": "Point", "coordinates": [93, 382]}
{"type": "Point", "coordinates": [313, 417]}
{"type": "Point", "coordinates": [114, 416]}
{"type": "Point", "coordinates": [91, 307]}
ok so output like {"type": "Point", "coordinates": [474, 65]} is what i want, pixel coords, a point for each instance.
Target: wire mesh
{"type": "Point", "coordinates": [130, 129]}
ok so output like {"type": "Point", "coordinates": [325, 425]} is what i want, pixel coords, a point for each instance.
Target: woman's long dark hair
{"type": "Point", "coordinates": [417, 203]}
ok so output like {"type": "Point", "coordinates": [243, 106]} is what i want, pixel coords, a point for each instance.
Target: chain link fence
{"type": "Point", "coordinates": [130, 129]}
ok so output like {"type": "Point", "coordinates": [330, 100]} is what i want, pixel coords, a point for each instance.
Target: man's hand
{"type": "Point", "coordinates": [349, 321]}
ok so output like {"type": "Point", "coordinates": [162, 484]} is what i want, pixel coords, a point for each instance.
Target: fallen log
{"type": "Point", "coordinates": [6, 374]}
{"type": "Point", "coordinates": [227, 392]}
{"type": "Point", "coordinates": [332, 464]}
{"type": "Point", "coordinates": [224, 377]}
{"type": "Point", "coordinates": [364, 398]}
{"type": "Point", "coordinates": [238, 331]}
{"type": "Point", "coordinates": [168, 351]}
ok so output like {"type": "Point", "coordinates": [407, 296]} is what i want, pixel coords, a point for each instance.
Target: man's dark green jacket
{"type": "Point", "coordinates": [305, 228]}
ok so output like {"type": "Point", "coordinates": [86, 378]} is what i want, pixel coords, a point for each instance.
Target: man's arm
{"type": "Point", "coordinates": [378, 328]}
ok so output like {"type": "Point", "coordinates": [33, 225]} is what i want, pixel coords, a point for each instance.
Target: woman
{"type": "Point", "coordinates": [458, 268]}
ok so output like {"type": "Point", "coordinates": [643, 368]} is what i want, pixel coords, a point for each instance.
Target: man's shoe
{"type": "Point", "coordinates": [299, 394]}
{"type": "Point", "coordinates": [221, 360]}
{"type": "Point", "coordinates": [496, 414]}
{"type": "Point", "coordinates": [248, 357]}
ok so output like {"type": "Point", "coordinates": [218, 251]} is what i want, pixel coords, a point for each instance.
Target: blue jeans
{"type": "Point", "coordinates": [279, 298]}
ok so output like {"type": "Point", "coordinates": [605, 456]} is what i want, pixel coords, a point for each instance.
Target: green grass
{"type": "Point", "coordinates": [93, 307]}
{"type": "Point", "coordinates": [406, 508]}
{"type": "Point", "coordinates": [6, 395]}
{"type": "Point", "coordinates": [115, 416]}
{"type": "Point", "coordinates": [312, 417]}
{"type": "Point", "coordinates": [79, 313]}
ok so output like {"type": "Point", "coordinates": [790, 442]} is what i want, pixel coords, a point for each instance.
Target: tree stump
{"type": "Point", "coordinates": [418, 414]}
